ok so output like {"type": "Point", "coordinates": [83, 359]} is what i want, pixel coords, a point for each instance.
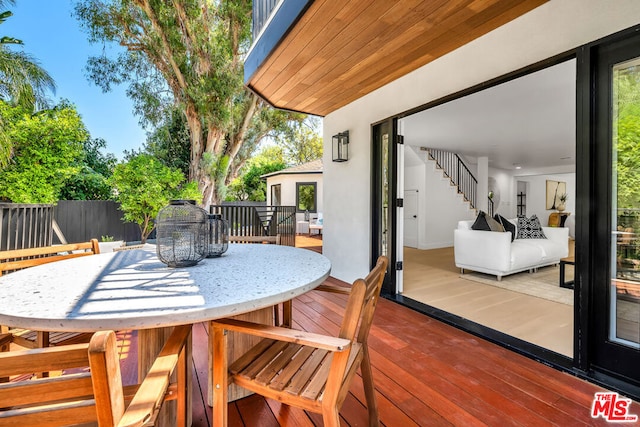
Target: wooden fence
{"type": "Point", "coordinates": [82, 220]}
{"type": "Point", "coordinates": [25, 225]}
{"type": "Point", "coordinates": [32, 225]}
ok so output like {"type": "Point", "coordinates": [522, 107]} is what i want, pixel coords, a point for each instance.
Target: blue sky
{"type": "Point", "coordinates": [53, 36]}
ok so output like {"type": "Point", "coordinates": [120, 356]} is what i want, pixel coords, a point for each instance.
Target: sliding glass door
{"type": "Point", "coordinates": [616, 284]}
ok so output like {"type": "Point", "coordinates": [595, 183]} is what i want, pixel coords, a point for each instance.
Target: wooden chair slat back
{"type": "Point", "coordinates": [18, 259]}
{"type": "Point", "coordinates": [78, 412]}
{"type": "Point", "coordinates": [353, 310]}
{"type": "Point", "coordinates": [362, 302]}
{"type": "Point", "coordinates": [355, 327]}
{"type": "Point", "coordinates": [54, 359]}
{"type": "Point", "coordinates": [374, 282]}
{"type": "Point", "coordinates": [46, 401]}
{"type": "Point", "coordinates": [40, 391]}
{"type": "Point", "coordinates": [96, 394]}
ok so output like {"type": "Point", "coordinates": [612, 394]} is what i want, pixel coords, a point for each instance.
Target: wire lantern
{"type": "Point", "coordinates": [181, 233]}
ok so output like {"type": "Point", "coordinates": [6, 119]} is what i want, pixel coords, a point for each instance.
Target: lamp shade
{"type": "Point", "coordinates": [340, 147]}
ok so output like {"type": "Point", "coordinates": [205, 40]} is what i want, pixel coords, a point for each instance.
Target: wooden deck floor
{"type": "Point", "coordinates": [426, 373]}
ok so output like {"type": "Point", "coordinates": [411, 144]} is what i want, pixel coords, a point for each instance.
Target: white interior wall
{"type": "Point", "coordinates": [444, 207]}
{"type": "Point", "coordinates": [537, 196]}
{"type": "Point", "coordinates": [505, 197]}
{"type": "Point", "coordinates": [551, 29]}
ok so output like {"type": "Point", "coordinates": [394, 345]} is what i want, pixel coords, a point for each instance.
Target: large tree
{"type": "Point", "coordinates": [187, 53]}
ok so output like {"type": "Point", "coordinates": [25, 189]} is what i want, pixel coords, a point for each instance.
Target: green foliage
{"type": "Point", "coordinates": [90, 183]}
{"type": "Point", "coordinates": [46, 149]}
{"type": "Point", "coordinates": [170, 142]}
{"type": "Point", "coordinates": [86, 184]}
{"type": "Point", "coordinates": [301, 140]}
{"type": "Point", "coordinates": [250, 186]}
{"type": "Point", "coordinates": [143, 185]}
{"type": "Point", "coordinates": [628, 137]}
{"type": "Point", "coordinates": [106, 238]}
{"type": "Point", "coordinates": [307, 198]}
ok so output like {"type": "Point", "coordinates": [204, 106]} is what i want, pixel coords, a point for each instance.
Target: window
{"type": "Point", "coordinates": [276, 195]}
{"type": "Point", "coordinates": [306, 196]}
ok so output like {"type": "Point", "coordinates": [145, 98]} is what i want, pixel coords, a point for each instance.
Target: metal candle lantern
{"type": "Point", "coordinates": [181, 233]}
{"type": "Point", "coordinates": [218, 240]}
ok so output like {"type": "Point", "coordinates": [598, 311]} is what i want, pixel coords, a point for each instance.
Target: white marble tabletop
{"type": "Point", "coordinates": [133, 290]}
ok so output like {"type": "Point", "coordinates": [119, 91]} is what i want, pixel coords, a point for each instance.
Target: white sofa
{"type": "Point", "coordinates": [493, 252]}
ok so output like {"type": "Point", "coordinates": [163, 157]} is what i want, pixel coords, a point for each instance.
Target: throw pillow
{"type": "Point", "coordinates": [507, 225]}
{"type": "Point", "coordinates": [486, 223]}
{"type": "Point", "coordinates": [530, 228]}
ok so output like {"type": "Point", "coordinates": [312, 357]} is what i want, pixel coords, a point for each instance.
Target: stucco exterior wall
{"type": "Point", "coordinates": [288, 189]}
{"type": "Point", "coordinates": [551, 29]}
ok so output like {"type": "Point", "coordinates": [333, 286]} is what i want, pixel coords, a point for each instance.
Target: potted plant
{"type": "Point", "coordinates": [563, 200]}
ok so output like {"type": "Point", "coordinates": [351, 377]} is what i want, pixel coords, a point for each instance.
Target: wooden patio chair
{"type": "Point", "coordinates": [96, 396]}
{"type": "Point", "coordinates": [18, 259]}
{"type": "Point", "coordinates": [303, 369]}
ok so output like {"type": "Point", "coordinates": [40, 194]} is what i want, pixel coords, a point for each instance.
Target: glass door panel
{"type": "Point", "coordinates": [383, 191]}
{"type": "Point", "coordinates": [624, 295]}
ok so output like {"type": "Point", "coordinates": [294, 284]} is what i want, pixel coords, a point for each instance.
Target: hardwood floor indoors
{"type": "Point", "coordinates": [431, 277]}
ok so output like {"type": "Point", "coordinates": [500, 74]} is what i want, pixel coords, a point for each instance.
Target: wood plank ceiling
{"type": "Point", "coordinates": [339, 51]}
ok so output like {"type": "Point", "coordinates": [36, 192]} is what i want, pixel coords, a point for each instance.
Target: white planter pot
{"type": "Point", "coordinates": [108, 246]}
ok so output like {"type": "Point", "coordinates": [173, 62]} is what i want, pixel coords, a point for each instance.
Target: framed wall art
{"type": "Point", "coordinates": [555, 189]}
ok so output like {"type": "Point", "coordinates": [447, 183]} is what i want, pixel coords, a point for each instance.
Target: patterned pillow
{"type": "Point", "coordinates": [530, 228]}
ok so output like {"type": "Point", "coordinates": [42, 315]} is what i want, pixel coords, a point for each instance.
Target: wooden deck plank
{"type": "Point", "coordinates": [289, 416]}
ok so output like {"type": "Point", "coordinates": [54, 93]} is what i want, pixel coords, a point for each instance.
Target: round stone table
{"type": "Point", "coordinates": [132, 289]}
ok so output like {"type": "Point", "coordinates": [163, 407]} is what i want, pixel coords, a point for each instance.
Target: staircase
{"type": "Point", "coordinates": [459, 175]}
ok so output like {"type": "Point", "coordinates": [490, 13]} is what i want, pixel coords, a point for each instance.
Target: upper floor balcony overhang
{"type": "Point", "coordinates": [317, 56]}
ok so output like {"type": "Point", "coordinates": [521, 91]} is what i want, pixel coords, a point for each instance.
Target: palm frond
{"type": "Point", "coordinates": [23, 81]}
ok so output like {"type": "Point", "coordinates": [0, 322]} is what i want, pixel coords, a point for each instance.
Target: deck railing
{"type": "Point", "coordinates": [261, 11]}
{"type": "Point", "coordinates": [25, 225]}
{"type": "Point", "coordinates": [260, 221]}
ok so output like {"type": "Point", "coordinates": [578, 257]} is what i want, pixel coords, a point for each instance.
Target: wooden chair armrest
{"type": "Point", "coordinates": [150, 394]}
{"type": "Point", "coordinates": [334, 289]}
{"type": "Point", "coordinates": [284, 334]}
{"type": "Point", "coordinates": [155, 385]}
{"type": "Point", "coordinates": [5, 340]}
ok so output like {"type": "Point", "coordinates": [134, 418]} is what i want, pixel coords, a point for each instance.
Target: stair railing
{"type": "Point", "coordinates": [454, 168]}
